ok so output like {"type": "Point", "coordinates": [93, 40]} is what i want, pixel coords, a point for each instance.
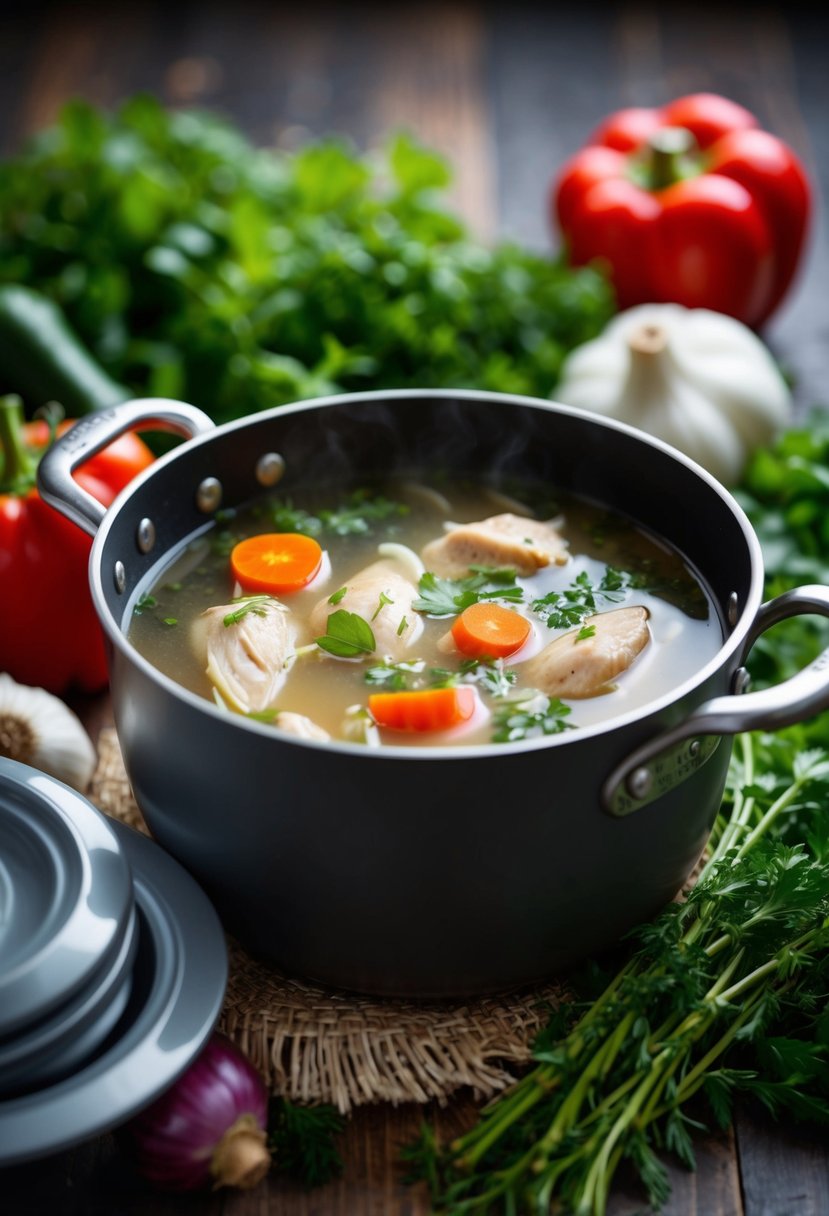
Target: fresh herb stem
{"type": "Point", "coordinates": [711, 975]}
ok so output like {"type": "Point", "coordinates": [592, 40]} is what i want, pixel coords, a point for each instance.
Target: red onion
{"type": "Point", "coordinates": [210, 1127]}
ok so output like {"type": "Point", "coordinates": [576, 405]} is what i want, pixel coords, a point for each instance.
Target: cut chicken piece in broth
{"type": "Point", "coordinates": [300, 726]}
{"type": "Point", "coordinates": [246, 659]}
{"type": "Point", "coordinates": [574, 666]}
{"type": "Point", "coordinates": [502, 540]}
{"type": "Point", "coordinates": [383, 597]}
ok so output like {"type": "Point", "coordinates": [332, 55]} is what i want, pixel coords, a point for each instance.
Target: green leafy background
{"type": "Point", "coordinates": [193, 265]}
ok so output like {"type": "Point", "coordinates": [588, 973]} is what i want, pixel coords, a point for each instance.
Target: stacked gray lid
{"type": "Point", "coordinates": [112, 968]}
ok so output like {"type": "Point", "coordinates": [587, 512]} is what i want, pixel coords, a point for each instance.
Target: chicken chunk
{"type": "Point", "coordinates": [501, 540]}
{"type": "Point", "coordinates": [383, 596]}
{"type": "Point", "coordinates": [573, 668]}
{"type": "Point", "coordinates": [246, 659]}
{"type": "Point", "coordinates": [300, 726]}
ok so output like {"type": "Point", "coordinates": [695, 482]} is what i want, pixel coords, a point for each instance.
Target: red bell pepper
{"type": "Point", "coordinates": [690, 203]}
{"type": "Point", "coordinates": [49, 634]}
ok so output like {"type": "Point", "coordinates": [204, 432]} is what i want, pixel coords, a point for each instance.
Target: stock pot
{"type": "Point", "coordinates": [429, 872]}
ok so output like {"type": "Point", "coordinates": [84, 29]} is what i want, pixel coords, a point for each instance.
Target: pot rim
{"type": "Point", "coordinates": [730, 646]}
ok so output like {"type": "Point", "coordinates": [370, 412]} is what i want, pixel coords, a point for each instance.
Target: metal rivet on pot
{"type": "Point", "coordinates": [145, 535]}
{"type": "Point", "coordinates": [119, 575]}
{"type": "Point", "coordinates": [639, 783]}
{"type": "Point", "coordinates": [693, 750]}
{"type": "Point", "coordinates": [209, 495]}
{"type": "Point", "coordinates": [270, 469]}
{"type": "Point", "coordinates": [733, 609]}
{"type": "Point", "coordinates": [740, 682]}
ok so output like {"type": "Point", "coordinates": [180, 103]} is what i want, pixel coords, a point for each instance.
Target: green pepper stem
{"type": "Point", "coordinates": [668, 151]}
{"type": "Point", "coordinates": [18, 464]}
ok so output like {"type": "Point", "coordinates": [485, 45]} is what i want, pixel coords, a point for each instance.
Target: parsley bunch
{"type": "Point", "coordinates": [786, 494]}
{"type": "Point", "coordinates": [194, 265]}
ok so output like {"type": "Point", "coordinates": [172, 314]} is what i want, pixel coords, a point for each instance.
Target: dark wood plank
{"type": "Point", "coordinates": [784, 1167]}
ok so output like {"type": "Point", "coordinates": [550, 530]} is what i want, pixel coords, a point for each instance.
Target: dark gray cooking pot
{"type": "Point", "coordinates": [429, 871]}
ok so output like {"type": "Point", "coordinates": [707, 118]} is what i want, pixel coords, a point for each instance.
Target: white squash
{"type": "Point", "coordinates": [697, 379]}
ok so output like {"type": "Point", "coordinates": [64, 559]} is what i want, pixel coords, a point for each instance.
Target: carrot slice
{"type": "Point", "coordinates": [488, 630]}
{"type": "Point", "coordinates": [427, 709]}
{"type": "Point", "coordinates": [275, 562]}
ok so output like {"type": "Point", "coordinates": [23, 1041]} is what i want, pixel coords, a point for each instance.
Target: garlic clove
{"type": "Point", "coordinates": [39, 729]}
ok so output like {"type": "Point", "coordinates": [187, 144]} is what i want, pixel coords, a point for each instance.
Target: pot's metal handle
{"type": "Point", "coordinates": [661, 763]}
{"type": "Point", "coordinates": [93, 432]}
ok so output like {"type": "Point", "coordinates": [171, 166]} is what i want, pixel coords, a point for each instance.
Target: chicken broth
{"type": "Point", "coordinates": [509, 619]}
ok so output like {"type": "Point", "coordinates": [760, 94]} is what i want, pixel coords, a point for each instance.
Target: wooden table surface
{"type": "Point", "coordinates": [507, 92]}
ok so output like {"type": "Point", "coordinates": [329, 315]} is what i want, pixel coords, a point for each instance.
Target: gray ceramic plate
{"type": "Point", "coordinates": [178, 986]}
{"type": "Point", "coordinates": [65, 894]}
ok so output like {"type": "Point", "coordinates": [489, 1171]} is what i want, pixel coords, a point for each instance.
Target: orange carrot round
{"type": "Point", "coordinates": [427, 709]}
{"type": "Point", "coordinates": [485, 630]}
{"type": "Point", "coordinates": [275, 562]}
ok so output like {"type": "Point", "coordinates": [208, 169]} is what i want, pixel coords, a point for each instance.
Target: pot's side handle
{"type": "Point", "coordinates": [669, 757]}
{"type": "Point", "coordinates": [90, 434]}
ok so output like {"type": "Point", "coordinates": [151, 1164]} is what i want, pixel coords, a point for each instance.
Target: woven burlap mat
{"type": "Point", "coordinates": [312, 1044]}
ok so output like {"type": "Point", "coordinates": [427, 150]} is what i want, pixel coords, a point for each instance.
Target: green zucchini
{"type": "Point", "coordinates": [43, 360]}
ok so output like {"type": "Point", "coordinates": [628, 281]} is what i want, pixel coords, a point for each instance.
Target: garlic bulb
{"type": "Point", "coordinates": [701, 381]}
{"type": "Point", "coordinates": [37, 728]}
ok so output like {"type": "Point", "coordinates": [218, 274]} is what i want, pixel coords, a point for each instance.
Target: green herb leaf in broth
{"type": "Point", "coordinates": [531, 718]}
{"type": "Point", "coordinates": [347, 636]}
{"type": "Point", "coordinates": [223, 542]}
{"type": "Point", "coordinates": [492, 676]}
{"type": "Point", "coordinates": [337, 596]}
{"type": "Point", "coordinates": [395, 676]}
{"type": "Point", "coordinates": [144, 603]}
{"type": "Point", "coordinates": [489, 675]}
{"type": "Point", "coordinates": [449, 596]}
{"type": "Point", "coordinates": [254, 604]}
{"type": "Point", "coordinates": [381, 604]}
{"type": "Point", "coordinates": [356, 516]}
{"type": "Point", "coordinates": [568, 608]}
{"type": "Point", "coordinates": [285, 517]}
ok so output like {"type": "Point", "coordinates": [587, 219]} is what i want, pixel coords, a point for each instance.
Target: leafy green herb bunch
{"type": "Point", "coordinates": [195, 265]}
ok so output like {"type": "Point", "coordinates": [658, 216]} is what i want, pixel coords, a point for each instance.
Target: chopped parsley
{"type": "Point", "coordinates": [449, 596]}
{"type": "Point", "coordinates": [359, 512]}
{"type": "Point", "coordinates": [586, 631]}
{"type": "Point", "coordinates": [530, 719]}
{"type": "Point", "coordinates": [567, 609]}
{"type": "Point", "coordinates": [337, 596]}
{"type": "Point", "coordinates": [145, 603]}
{"type": "Point", "coordinates": [396, 677]}
{"type": "Point", "coordinates": [285, 517]}
{"type": "Point", "coordinates": [355, 517]}
{"type": "Point", "coordinates": [489, 674]}
{"type": "Point", "coordinates": [381, 604]}
{"type": "Point", "coordinates": [223, 542]}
